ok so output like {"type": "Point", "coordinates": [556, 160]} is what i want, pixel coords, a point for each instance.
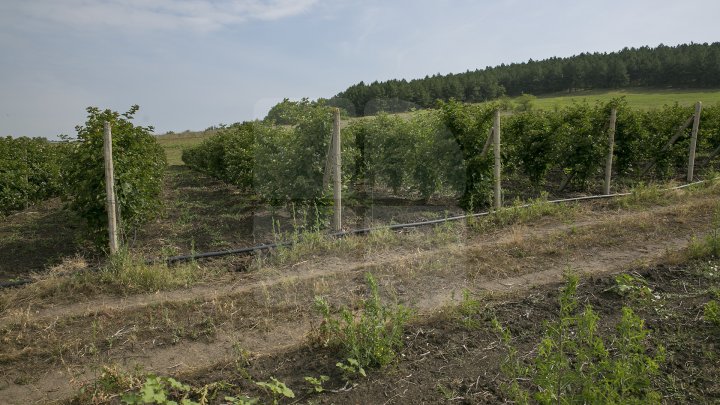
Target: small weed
{"type": "Point", "coordinates": [148, 389]}
{"type": "Point", "coordinates": [574, 365]}
{"type": "Point", "coordinates": [467, 311]}
{"type": "Point", "coordinates": [351, 369]}
{"type": "Point", "coordinates": [447, 393]}
{"type": "Point", "coordinates": [276, 388]}
{"type": "Point", "coordinates": [373, 337]}
{"type": "Point", "coordinates": [709, 246]}
{"type": "Point", "coordinates": [711, 313]}
{"type": "Point", "coordinates": [633, 287]}
{"type": "Point", "coordinates": [316, 384]}
{"type": "Point", "coordinates": [242, 360]}
{"type": "Point", "coordinates": [244, 400]}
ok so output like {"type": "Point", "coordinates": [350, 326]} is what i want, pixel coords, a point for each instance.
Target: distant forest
{"type": "Point", "coordinates": [684, 66]}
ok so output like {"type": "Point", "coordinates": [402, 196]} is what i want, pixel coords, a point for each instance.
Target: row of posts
{"type": "Point", "coordinates": [336, 163]}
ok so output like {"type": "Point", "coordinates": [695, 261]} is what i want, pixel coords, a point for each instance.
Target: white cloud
{"type": "Point", "coordinates": [203, 15]}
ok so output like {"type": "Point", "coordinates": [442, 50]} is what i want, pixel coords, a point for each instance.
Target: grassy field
{"type": "Point", "coordinates": [636, 97]}
{"type": "Point", "coordinates": [175, 143]}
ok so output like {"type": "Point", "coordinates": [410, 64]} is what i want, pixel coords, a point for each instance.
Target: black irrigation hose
{"type": "Point", "coordinates": [16, 283]}
{"type": "Point", "coordinates": [363, 231]}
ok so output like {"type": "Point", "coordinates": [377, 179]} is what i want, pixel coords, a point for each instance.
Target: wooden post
{"type": "Point", "coordinates": [337, 177]}
{"type": "Point", "coordinates": [611, 146]}
{"type": "Point", "coordinates": [693, 140]}
{"type": "Point", "coordinates": [110, 190]}
{"type": "Point", "coordinates": [496, 147]}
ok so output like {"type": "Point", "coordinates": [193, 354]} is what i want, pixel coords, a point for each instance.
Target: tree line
{"type": "Point", "coordinates": [688, 65]}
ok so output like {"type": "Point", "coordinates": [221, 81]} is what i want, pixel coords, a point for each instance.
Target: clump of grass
{"type": "Point", "coordinates": [301, 245]}
{"type": "Point", "coordinates": [369, 339]}
{"type": "Point", "coordinates": [123, 273]}
{"type": "Point", "coordinates": [133, 274]}
{"type": "Point", "coordinates": [709, 245]}
{"type": "Point", "coordinates": [711, 312]}
{"type": "Point", "coordinates": [467, 310]}
{"type": "Point", "coordinates": [643, 195]}
{"type": "Point", "coordinates": [521, 212]}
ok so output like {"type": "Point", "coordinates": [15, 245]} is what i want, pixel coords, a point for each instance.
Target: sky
{"type": "Point", "coordinates": [191, 64]}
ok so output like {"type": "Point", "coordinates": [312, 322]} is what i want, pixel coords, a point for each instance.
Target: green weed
{"type": "Point", "coordinates": [351, 369]}
{"type": "Point", "coordinates": [316, 384]}
{"type": "Point", "coordinates": [371, 338]}
{"type": "Point", "coordinates": [276, 388]}
{"type": "Point", "coordinates": [468, 309]}
{"type": "Point", "coordinates": [633, 287]}
{"type": "Point", "coordinates": [574, 365]}
{"type": "Point", "coordinates": [711, 312]}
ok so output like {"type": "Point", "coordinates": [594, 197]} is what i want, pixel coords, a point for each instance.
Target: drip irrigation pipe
{"type": "Point", "coordinates": [16, 283]}
{"type": "Point", "coordinates": [362, 231]}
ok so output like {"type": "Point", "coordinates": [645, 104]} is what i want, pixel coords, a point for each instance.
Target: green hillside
{"type": "Point", "coordinates": [637, 97]}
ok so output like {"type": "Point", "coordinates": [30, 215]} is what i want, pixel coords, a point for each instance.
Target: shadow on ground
{"type": "Point", "coordinates": [37, 238]}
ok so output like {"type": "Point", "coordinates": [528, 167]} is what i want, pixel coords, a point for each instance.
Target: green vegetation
{"type": "Point", "coordinates": [30, 171]}
{"type": "Point", "coordinates": [280, 164]}
{"type": "Point", "coordinates": [370, 339]}
{"type": "Point", "coordinates": [637, 98]}
{"type": "Point", "coordinates": [709, 245]}
{"type": "Point", "coordinates": [139, 164]}
{"type": "Point", "coordinates": [276, 388]}
{"type": "Point", "coordinates": [574, 365]}
{"type": "Point", "coordinates": [682, 66]}
{"type": "Point", "coordinates": [136, 388]}
{"type": "Point", "coordinates": [632, 286]}
{"type": "Point", "coordinates": [439, 153]}
{"type": "Point", "coordinates": [711, 312]}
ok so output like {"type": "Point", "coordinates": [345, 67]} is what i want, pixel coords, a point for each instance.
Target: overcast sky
{"type": "Point", "coordinates": [191, 64]}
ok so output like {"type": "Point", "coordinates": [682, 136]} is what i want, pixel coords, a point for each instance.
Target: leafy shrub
{"type": "Point", "coordinates": [532, 143]}
{"type": "Point", "coordinates": [574, 365]}
{"type": "Point", "coordinates": [229, 155]}
{"type": "Point", "coordinates": [370, 339]}
{"type": "Point", "coordinates": [30, 171]}
{"type": "Point", "coordinates": [139, 164]}
{"type": "Point", "coordinates": [470, 126]}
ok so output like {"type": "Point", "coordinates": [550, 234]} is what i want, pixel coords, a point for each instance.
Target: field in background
{"type": "Point", "coordinates": [636, 97]}
{"type": "Point", "coordinates": [175, 143]}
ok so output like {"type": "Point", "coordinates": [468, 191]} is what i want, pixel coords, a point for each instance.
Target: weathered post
{"type": "Point", "coordinates": [496, 147]}
{"type": "Point", "coordinates": [337, 177]}
{"type": "Point", "coordinates": [611, 146]}
{"type": "Point", "coordinates": [693, 140]}
{"type": "Point", "coordinates": [110, 189]}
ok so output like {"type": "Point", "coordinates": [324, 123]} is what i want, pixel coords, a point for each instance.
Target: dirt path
{"type": "Point", "coordinates": [275, 306]}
